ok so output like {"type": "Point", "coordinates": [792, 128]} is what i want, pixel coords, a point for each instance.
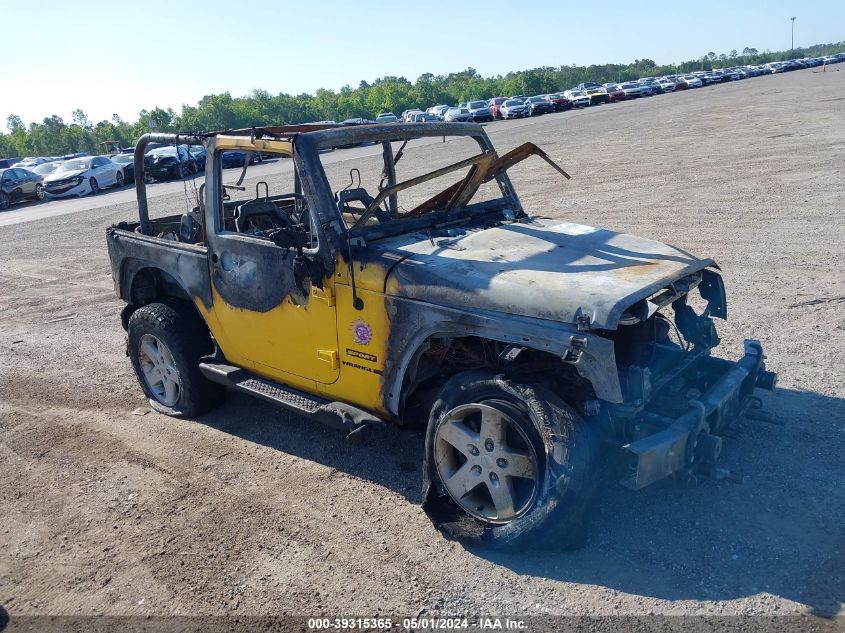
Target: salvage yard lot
{"type": "Point", "coordinates": [253, 511]}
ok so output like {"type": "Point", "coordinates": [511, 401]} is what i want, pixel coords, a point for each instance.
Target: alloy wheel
{"type": "Point", "coordinates": [159, 370]}
{"type": "Point", "coordinates": [486, 461]}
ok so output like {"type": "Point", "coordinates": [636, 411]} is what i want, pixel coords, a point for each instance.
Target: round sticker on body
{"type": "Point", "coordinates": [362, 333]}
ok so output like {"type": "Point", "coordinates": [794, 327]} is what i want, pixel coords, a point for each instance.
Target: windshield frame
{"type": "Point", "coordinates": [308, 151]}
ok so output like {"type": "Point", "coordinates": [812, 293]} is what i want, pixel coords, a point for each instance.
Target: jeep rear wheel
{"type": "Point", "coordinates": [495, 476]}
{"type": "Point", "coordinates": [166, 342]}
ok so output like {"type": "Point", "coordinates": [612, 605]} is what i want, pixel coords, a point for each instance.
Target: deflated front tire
{"type": "Point", "coordinates": [507, 464]}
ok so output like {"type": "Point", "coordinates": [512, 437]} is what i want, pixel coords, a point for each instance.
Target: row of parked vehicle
{"type": "Point", "coordinates": [76, 175]}
{"type": "Point", "coordinates": [37, 178]}
{"type": "Point", "coordinates": [591, 93]}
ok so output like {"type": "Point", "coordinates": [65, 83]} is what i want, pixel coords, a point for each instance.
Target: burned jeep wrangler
{"type": "Point", "coordinates": [389, 274]}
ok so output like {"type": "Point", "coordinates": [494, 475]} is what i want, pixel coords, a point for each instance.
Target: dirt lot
{"type": "Point", "coordinates": [252, 511]}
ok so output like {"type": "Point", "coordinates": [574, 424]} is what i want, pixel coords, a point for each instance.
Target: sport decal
{"type": "Point", "coordinates": [361, 355]}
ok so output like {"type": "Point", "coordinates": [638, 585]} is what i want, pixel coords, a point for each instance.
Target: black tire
{"type": "Point", "coordinates": [177, 325]}
{"type": "Point", "coordinates": [5, 202]}
{"type": "Point", "coordinates": [95, 186]}
{"type": "Point", "coordinates": [39, 192]}
{"type": "Point", "coordinates": [557, 517]}
{"type": "Point", "coordinates": [181, 172]}
{"type": "Point", "coordinates": [119, 179]}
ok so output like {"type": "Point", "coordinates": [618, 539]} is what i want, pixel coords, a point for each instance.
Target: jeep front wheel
{"type": "Point", "coordinates": [507, 463]}
{"type": "Point", "coordinates": [166, 342]}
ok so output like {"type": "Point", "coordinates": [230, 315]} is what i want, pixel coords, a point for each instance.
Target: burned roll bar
{"type": "Point", "coordinates": [140, 183]}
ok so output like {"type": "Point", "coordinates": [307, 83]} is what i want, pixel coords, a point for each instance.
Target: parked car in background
{"type": "Point", "coordinates": [45, 169]}
{"type": "Point", "coordinates": [424, 117]}
{"type": "Point", "coordinates": [457, 114]}
{"type": "Point", "coordinates": [8, 162]}
{"type": "Point", "coordinates": [387, 117]}
{"type": "Point", "coordinates": [438, 111]}
{"type": "Point", "coordinates": [356, 121]}
{"type": "Point", "coordinates": [198, 153]}
{"type": "Point", "coordinates": [647, 90]}
{"type": "Point", "coordinates": [692, 81]}
{"type": "Point", "coordinates": [81, 176]}
{"type": "Point", "coordinates": [538, 105]}
{"type": "Point", "coordinates": [494, 104]}
{"type": "Point", "coordinates": [703, 77]}
{"type": "Point", "coordinates": [578, 98]}
{"type": "Point", "coordinates": [558, 101]}
{"type": "Point", "coordinates": [31, 161]}
{"type": "Point", "coordinates": [237, 158]}
{"type": "Point", "coordinates": [18, 184]}
{"type": "Point", "coordinates": [597, 95]}
{"type": "Point", "coordinates": [169, 162]}
{"type": "Point", "coordinates": [614, 93]}
{"type": "Point", "coordinates": [127, 164]}
{"type": "Point", "coordinates": [479, 111]}
{"type": "Point", "coordinates": [407, 115]}
{"type": "Point", "coordinates": [631, 89]}
{"type": "Point", "coordinates": [583, 87]}
{"type": "Point", "coordinates": [513, 109]}
{"type": "Point", "coordinates": [666, 85]}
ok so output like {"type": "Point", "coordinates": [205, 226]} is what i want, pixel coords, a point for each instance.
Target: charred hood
{"type": "Point", "coordinates": [538, 268]}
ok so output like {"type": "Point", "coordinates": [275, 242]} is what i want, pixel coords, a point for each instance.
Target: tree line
{"type": "Point", "coordinates": [53, 136]}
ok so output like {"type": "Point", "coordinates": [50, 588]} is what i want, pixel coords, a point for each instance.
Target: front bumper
{"type": "Point", "coordinates": [163, 172]}
{"type": "Point", "coordinates": [687, 440]}
{"type": "Point", "coordinates": [68, 192]}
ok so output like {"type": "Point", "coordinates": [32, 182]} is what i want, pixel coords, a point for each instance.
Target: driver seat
{"type": "Point", "coordinates": [253, 208]}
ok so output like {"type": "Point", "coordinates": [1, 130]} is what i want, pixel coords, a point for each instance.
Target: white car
{"type": "Point", "coordinates": [457, 114]}
{"type": "Point", "coordinates": [30, 162]}
{"type": "Point", "coordinates": [693, 81]}
{"type": "Point", "coordinates": [513, 108]}
{"type": "Point", "coordinates": [631, 89]}
{"type": "Point", "coordinates": [666, 85]}
{"type": "Point", "coordinates": [578, 98]}
{"type": "Point", "coordinates": [387, 117]}
{"type": "Point", "coordinates": [81, 176]}
{"type": "Point", "coordinates": [438, 111]}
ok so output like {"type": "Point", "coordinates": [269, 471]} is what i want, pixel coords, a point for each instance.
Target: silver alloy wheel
{"type": "Point", "coordinates": [95, 186]}
{"type": "Point", "coordinates": [486, 462]}
{"type": "Point", "coordinates": [159, 370]}
{"type": "Point", "coordinates": [39, 192]}
{"type": "Point", "coordinates": [119, 178]}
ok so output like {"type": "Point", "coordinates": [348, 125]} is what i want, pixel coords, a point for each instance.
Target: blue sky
{"type": "Point", "coordinates": [62, 56]}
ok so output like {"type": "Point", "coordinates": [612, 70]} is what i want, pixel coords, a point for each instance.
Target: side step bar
{"type": "Point", "coordinates": [355, 422]}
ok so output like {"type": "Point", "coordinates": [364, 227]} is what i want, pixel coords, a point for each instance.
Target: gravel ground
{"type": "Point", "coordinates": [252, 511]}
